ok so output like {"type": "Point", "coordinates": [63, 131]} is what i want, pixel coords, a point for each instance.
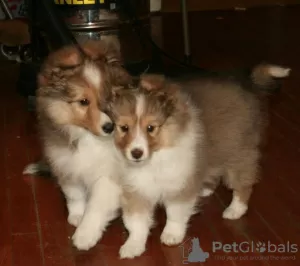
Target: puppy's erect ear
{"type": "Point", "coordinates": [163, 91]}
{"type": "Point", "coordinates": [158, 84]}
{"type": "Point", "coordinates": [106, 50]}
{"type": "Point", "coordinates": [166, 92]}
{"type": "Point", "coordinates": [152, 82]}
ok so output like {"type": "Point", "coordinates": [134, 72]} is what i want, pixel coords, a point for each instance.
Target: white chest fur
{"type": "Point", "coordinates": [92, 158]}
{"type": "Point", "coordinates": [167, 172]}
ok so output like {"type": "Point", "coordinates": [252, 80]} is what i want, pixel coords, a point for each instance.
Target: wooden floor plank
{"type": "Point", "coordinates": [5, 203]}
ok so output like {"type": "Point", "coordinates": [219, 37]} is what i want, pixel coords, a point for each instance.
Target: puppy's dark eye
{"type": "Point", "coordinates": [150, 129]}
{"type": "Point", "coordinates": [124, 128]}
{"type": "Point", "coordinates": [84, 102]}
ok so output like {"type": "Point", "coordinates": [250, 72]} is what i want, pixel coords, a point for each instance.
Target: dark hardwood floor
{"type": "Point", "coordinates": [33, 225]}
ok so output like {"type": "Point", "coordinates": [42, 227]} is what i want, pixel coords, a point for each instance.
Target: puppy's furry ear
{"type": "Point", "coordinates": [61, 63]}
{"type": "Point", "coordinates": [70, 56]}
{"type": "Point", "coordinates": [106, 50]}
{"type": "Point", "coordinates": [119, 76]}
{"type": "Point", "coordinates": [152, 82]}
{"type": "Point", "coordinates": [166, 92]}
{"type": "Point", "coordinates": [159, 84]}
{"type": "Point", "coordinates": [67, 60]}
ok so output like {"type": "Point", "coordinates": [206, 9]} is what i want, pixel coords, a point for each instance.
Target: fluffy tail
{"type": "Point", "coordinates": [265, 77]}
{"type": "Point", "coordinates": [39, 168]}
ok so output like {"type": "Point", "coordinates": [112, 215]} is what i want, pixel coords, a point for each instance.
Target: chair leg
{"type": "Point", "coordinates": [186, 36]}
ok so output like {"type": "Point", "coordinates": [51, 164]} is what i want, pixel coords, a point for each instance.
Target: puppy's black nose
{"type": "Point", "coordinates": [137, 153]}
{"type": "Point", "coordinates": [108, 128]}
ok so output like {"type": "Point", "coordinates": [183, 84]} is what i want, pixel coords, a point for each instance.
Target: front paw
{"type": "Point", "coordinates": [75, 219]}
{"type": "Point", "coordinates": [173, 234]}
{"type": "Point", "coordinates": [235, 212]}
{"type": "Point", "coordinates": [171, 239]}
{"type": "Point", "coordinates": [131, 249]}
{"type": "Point", "coordinates": [85, 238]}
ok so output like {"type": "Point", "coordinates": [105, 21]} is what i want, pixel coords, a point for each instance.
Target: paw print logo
{"type": "Point", "coordinates": [261, 247]}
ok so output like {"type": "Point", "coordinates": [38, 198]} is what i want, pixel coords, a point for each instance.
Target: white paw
{"type": "Point", "coordinates": [131, 249]}
{"type": "Point", "coordinates": [236, 209]}
{"type": "Point", "coordinates": [173, 234]}
{"type": "Point", "coordinates": [206, 192]}
{"type": "Point", "coordinates": [74, 219]}
{"type": "Point", "coordinates": [172, 239]}
{"type": "Point", "coordinates": [85, 238]}
{"type": "Point", "coordinates": [235, 212]}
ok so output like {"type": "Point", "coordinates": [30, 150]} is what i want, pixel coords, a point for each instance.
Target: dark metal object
{"type": "Point", "coordinates": [91, 19]}
{"type": "Point", "coordinates": [6, 10]}
{"type": "Point", "coordinates": [111, 22]}
{"type": "Point", "coordinates": [186, 35]}
{"type": "Point", "coordinates": [91, 22]}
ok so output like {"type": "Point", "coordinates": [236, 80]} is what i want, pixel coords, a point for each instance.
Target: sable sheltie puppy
{"type": "Point", "coordinates": [160, 139]}
{"type": "Point", "coordinates": [176, 139]}
{"type": "Point", "coordinates": [75, 133]}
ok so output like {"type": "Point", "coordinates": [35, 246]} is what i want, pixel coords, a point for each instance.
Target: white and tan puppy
{"type": "Point", "coordinates": [75, 133]}
{"type": "Point", "coordinates": [160, 140]}
{"type": "Point", "coordinates": [177, 139]}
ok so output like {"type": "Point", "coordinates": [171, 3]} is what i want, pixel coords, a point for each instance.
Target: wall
{"type": "Point", "coordinates": [195, 5]}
